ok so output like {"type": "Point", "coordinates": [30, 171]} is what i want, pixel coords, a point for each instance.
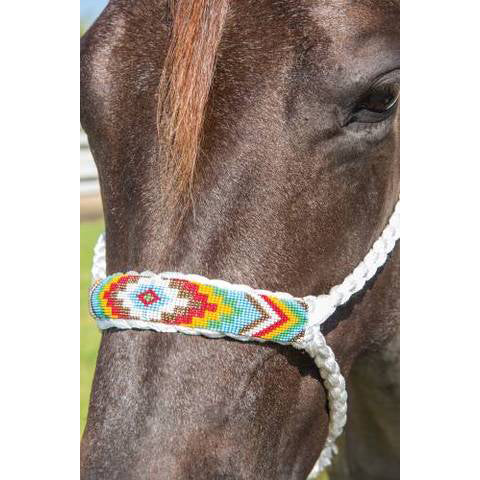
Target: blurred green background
{"type": "Point", "coordinates": [89, 334]}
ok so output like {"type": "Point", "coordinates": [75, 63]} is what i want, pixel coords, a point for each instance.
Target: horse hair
{"type": "Point", "coordinates": [184, 90]}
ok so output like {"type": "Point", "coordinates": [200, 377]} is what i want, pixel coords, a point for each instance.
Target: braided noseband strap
{"type": "Point", "coordinates": [194, 305]}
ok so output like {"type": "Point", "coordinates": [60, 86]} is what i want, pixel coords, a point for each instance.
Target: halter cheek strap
{"type": "Point", "coordinates": [195, 305]}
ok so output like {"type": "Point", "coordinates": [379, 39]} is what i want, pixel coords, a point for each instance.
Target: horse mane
{"type": "Point", "coordinates": [184, 88]}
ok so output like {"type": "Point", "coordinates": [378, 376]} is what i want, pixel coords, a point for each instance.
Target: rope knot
{"type": "Point", "coordinates": [321, 308]}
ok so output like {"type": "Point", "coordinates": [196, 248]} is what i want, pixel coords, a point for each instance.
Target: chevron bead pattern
{"type": "Point", "coordinates": [178, 301]}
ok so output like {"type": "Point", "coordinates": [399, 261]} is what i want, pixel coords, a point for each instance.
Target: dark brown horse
{"type": "Point", "coordinates": [254, 141]}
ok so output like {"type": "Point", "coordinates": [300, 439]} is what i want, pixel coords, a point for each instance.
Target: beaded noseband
{"type": "Point", "coordinates": [194, 305]}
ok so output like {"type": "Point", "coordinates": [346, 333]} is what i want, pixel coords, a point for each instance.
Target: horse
{"type": "Point", "coordinates": [256, 141]}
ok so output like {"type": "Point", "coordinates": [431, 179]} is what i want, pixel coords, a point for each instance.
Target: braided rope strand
{"type": "Point", "coordinates": [374, 259]}
{"type": "Point", "coordinates": [323, 306]}
{"type": "Point", "coordinates": [320, 309]}
{"type": "Point", "coordinates": [334, 383]}
{"type": "Point", "coordinates": [99, 264]}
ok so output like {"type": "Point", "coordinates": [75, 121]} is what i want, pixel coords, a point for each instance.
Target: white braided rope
{"type": "Point", "coordinates": [99, 265]}
{"type": "Point", "coordinates": [325, 305]}
{"type": "Point", "coordinates": [334, 383]}
{"type": "Point", "coordinates": [320, 309]}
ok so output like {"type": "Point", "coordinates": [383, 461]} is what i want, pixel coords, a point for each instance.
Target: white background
{"type": "Point", "coordinates": [39, 354]}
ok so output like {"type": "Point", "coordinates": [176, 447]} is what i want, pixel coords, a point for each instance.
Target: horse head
{"type": "Point", "coordinates": [256, 141]}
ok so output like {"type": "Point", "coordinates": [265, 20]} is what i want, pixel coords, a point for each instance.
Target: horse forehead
{"type": "Point", "coordinates": [347, 19]}
{"type": "Point", "coordinates": [339, 29]}
{"type": "Point", "coordinates": [360, 37]}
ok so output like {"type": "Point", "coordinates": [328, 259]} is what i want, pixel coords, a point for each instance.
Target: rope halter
{"type": "Point", "coordinates": [195, 305]}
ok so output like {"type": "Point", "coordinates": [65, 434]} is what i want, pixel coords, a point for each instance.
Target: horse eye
{"type": "Point", "coordinates": [380, 101]}
{"type": "Point", "coordinates": [377, 104]}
